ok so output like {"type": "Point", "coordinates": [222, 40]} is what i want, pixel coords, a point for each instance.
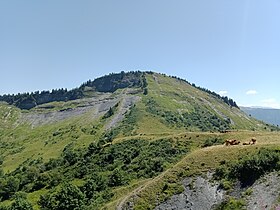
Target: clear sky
{"type": "Point", "coordinates": [231, 47]}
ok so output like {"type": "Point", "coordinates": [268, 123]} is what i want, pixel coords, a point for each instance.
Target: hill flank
{"type": "Point", "coordinates": [119, 133]}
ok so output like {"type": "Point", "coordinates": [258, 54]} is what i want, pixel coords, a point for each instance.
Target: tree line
{"type": "Point", "coordinates": [107, 83]}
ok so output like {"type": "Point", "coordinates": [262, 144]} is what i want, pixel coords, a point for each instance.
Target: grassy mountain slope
{"type": "Point", "coordinates": [124, 130]}
{"type": "Point", "coordinates": [198, 162]}
{"type": "Point", "coordinates": [185, 102]}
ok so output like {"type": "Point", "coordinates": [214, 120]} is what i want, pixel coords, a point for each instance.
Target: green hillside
{"type": "Point", "coordinates": [121, 137]}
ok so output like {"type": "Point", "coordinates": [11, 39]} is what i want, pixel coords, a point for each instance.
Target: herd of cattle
{"type": "Point", "coordinates": [236, 142]}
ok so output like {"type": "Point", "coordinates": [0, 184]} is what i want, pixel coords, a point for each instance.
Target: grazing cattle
{"type": "Point", "coordinates": [227, 142]}
{"type": "Point", "coordinates": [253, 141]}
{"type": "Point", "coordinates": [232, 142]}
{"type": "Point", "coordinates": [236, 142]}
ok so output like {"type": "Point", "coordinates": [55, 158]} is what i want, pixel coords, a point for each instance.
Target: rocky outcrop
{"type": "Point", "coordinates": [203, 194]}
{"type": "Point", "coordinates": [265, 193]}
{"type": "Point", "coordinates": [125, 104]}
{"type": "Point", "coordinates": [199, 193]}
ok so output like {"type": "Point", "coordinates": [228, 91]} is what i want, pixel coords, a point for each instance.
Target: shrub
{"type": "Point", "coordinates": [226, 185]}
{"type": "Point", "coordinates": [117, 178]}
{"type": "Point", "coordinates": [232, 204]}
{"type": "Point", "coordinates": [69, 197]}
{"type": "Point", "coordinates": [249, 168]}
{"type": "Point", "coordinates": [21, 203]}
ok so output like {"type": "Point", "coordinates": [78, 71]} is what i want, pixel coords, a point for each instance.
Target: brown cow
{"type": "Point", "coordinates": [232, 142]}
{"type": "Point", "coordinates": [253, 141]}
{"type": "Point", "coordinates": [227, 142]}
{"type": "Point", "coordinates": [236, 142]}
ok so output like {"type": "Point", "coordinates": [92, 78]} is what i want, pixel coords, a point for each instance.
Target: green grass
{"type": "Point", "coordinates": [173, 110]}
{"type": "Point", "coordinates": [201, 161]}
{"type": "Point", "coordinates": [176, 97]}
{"type": "Point", "coordinates": [47, 141]}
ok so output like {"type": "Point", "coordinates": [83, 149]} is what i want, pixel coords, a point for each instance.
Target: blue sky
{"type": "Point", "coordinates": [231, 47]}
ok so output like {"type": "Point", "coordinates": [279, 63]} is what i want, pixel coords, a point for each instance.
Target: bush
{"type": "Point", "coordinates": [248, 192]}
{"type": "Point", "coordinates": [117, 178]}
{"type": "Point", "coordinates": [8, 187]}
{"type": "Point", "coordinates": [249, 168]}
{"type": "Point", "coordinates": [226, 185]}
{"type": "Point", "coordinates": [21, 203]}
{"type": "Point", "coordinates": [69, 197]}
{"type": "Point", "coordinates": [231, 204]}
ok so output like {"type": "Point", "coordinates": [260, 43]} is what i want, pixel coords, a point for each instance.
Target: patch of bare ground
{"type": "Point", "coordinates": [95, 107]}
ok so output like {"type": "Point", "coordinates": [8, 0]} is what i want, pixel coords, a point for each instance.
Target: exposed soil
{"type": "Point", "coordinates": [202, 194]}
{"type": "Point", "coordinates": [124, 106]}
{"type": "Point", "coordinates": [265, 192]}
{"type": "Point", "coordinates": [95, 106]}
{"type": "Point", "coordinates": [199, 193]}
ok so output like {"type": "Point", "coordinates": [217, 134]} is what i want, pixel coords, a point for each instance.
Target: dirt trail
{"type": "Point", "coordinates": [121, 205]}
{"type": "Point", "coordinates": [124, 203]}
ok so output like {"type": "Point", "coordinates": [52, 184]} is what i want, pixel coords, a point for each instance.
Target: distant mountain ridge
{"type": "Point", "coordinates": [268, 115]}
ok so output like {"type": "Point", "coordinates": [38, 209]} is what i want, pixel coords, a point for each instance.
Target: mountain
{"type": "Point", "coordinates": [119, 141]}
{"type": "Point", "coordinates": [267, 115]}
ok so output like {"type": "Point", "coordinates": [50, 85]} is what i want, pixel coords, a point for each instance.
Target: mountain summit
{"type": "Point", "coordinates": [169, 100]}
{"type": "Point", "coordinates": [88, 147]}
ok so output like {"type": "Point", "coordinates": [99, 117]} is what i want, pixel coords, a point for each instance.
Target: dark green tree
{"type": "Point", "coordinates": [117, 178]}
{"type": "Point", "coordinates": [69, 197]}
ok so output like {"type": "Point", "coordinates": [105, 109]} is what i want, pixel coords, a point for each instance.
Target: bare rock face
{"type": "Point", "coordinates": [95, 107]}
{"type": "Point", "coordinates": [125, 104]}
{"type": "Point", "coordinates": [203, 194]}
{"type": "Point", "coordinates": [199, 193]}
{"type": "Point", "coordinates": [265, 192]}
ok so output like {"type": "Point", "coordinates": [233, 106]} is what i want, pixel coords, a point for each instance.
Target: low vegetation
{"type": "Point", "coordinates": [247, 169]}
{"type": "Point", "coordinates": [232, 204]}
{"type": "Point", "coordinates": [200, 118]}
{"type": "Point", "coordinates": [101, 168]}
{"type": "Point", "coordinates": [175, 130]}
